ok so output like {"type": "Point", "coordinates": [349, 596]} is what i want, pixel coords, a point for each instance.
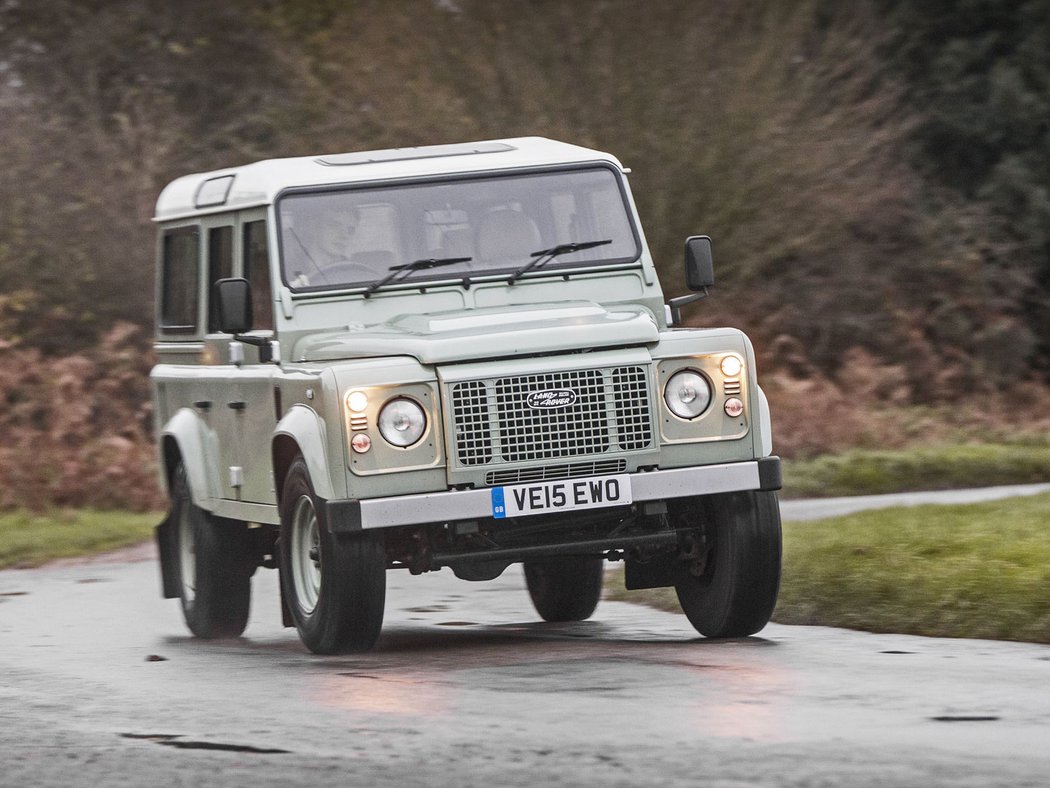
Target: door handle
{"type": "Point", "coordinates": [237, 404]}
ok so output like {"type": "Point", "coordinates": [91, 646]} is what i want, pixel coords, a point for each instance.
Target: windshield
{"type": "Point", "coordinates": [356, 237]}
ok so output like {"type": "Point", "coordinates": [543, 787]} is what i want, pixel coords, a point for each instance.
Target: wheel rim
{"type": "Point", "coordinates": [187, 556]}
{"type": "Point", "coordinates": [306, 555]}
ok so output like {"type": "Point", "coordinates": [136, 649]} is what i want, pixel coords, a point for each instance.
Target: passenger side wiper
{"type": "Point", "coordinates": [399, 272]}
{"type": "Point", "coordinates": [544, 256]}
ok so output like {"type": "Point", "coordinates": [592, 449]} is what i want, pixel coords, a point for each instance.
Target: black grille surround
{"type": "Point", "coordinates": [545, 418]}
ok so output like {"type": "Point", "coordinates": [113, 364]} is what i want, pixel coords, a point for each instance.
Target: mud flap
{"type": "Point", "coordinates": [165, 535]}
{"type": "Point", "coordinates": [658, 572]}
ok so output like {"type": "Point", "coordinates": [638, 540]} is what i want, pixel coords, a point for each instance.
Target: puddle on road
{"type": "Point", "coordinates": [177, 740]}
{"type": "Point", "coordinates": [965, 718]}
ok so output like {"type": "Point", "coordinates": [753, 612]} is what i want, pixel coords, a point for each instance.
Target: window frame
{"type": "Point", "coordinates": [181, 330]}
{"type": "Point", "coordinates": [555, 268]}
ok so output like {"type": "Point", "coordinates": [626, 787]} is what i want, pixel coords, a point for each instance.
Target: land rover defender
{"type": "Point", "coordinates": [449, 356]}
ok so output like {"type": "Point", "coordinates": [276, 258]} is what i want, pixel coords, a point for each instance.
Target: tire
{"type": "Point", "coordinates": [736, 591]}
{"type": "Point", "coordinates": [213, 566]}
{"type": "Point", "coordinates": [335, 584]}
{"type": "Point", "coordinates": [566, 588]}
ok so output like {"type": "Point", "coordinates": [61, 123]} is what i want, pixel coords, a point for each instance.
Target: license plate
{"type": "Point", "coordinates": [594, 492]}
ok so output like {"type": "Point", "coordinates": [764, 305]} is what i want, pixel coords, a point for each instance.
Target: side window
{"type": "Point", "coordinates": [180, 279]}
{"type": "Point", "coordinates": [257, 272]}
{"type": "Point", "coordinates": [220, 266]}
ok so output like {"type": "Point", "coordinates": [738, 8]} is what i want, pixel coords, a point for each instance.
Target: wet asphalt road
{"type": "Point", "coordinates": [100, 685]}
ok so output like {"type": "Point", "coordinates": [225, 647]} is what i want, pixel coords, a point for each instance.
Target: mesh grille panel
{"type": "Point", "coordinates": [470, 406]}
{"type": "Point", "coordinates": [529, 434]}
{"type": "Point", "coordinates": [632, 408]}
{"type": "Point", "coordinates": [591, 411]}
{"type": "Point", "coordinates": [549, 472]}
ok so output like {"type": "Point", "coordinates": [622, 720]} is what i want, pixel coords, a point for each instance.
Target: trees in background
{"type": "Point", "coordinates": [977, 78]}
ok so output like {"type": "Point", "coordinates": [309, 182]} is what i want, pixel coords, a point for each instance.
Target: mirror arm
{"type": "Point", "coordinates": [676, 304]}
{"type": "Point", "coordinates": [263, 343]}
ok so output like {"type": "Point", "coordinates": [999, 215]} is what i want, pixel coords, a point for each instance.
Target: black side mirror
{"type": "Point", "coordinates": [234, 297]}
{"type": "Point", "coordinates": [699, 275]}
{"type": "Point", "coordinates": [699, 263]}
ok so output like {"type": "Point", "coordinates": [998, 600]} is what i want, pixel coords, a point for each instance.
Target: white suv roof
{"type": "Point", "coordinates": [259, 183]}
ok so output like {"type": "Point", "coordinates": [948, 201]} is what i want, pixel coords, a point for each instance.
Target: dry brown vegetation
{"type": "Point", "coordinates": [870, 404]}
{"type": "Point", "coordinates": [77, 428]}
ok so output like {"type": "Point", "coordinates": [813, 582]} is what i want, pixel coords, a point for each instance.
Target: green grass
{"type": "Point", "coordinates": [865, 472]}
{"type": "Point", "coordinates": [975, 571]}
{"type": "Point", "coordinates": [32, 539]}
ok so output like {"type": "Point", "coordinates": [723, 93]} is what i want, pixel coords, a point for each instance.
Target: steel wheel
{"type": "Point", "coordinates": [306, 555]}
{"type": "Point", "coordinates": [214, 566]}
{"type": "Point", "coordinates": [733, 588]}
{"type": "Point", "coordinates": [335, 584]}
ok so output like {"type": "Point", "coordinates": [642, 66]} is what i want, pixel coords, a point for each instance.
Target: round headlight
{"type": "Point", "coordinates": [687, 394]}
{"type": "Point", "coordinates": [402, 422]}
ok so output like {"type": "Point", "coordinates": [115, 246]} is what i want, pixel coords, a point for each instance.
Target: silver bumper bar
{"type": "Point", "coordinates": [453, 505]}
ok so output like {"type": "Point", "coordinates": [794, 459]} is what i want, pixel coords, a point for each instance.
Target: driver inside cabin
{"type": "Point", "coordinates": [326, 243]}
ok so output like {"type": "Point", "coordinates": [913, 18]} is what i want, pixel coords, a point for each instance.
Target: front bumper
{"type": "Point", "coordinates": [456, 505]}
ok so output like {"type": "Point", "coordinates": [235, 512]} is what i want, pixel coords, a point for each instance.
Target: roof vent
{"type": "Point", "coordinates": [408, 154]}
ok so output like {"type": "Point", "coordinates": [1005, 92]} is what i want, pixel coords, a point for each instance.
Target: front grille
{"type": "Point", "coordinates": [593, 411]}
{"type": "Point", "coordinates": [545, 473]}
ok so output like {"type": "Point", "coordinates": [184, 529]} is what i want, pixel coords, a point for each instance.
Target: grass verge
{"type": "Point", "coordinates": [865, 472]}
{"type": "Point", "coordinates": [28, 539]}
{"type": "Point", "coordinates": [974, 571]}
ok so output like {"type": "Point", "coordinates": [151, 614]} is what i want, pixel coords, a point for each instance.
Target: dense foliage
{"type": "Point", "coordinates": [874, 174]}
{"type": "Point", "coordinates": [977, 76]}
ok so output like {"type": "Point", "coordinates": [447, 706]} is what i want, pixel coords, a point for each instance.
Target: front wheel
{"type": "Point", "coordinates": [213, 566]}
{"type": "Point", "coordinates": [335, 584]}
{"type": "Point", "coordinates": [732, 588]}
{"type": "Point", "coordinates": [566, 588]}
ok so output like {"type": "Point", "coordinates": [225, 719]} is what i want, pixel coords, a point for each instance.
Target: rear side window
{"type": "Point", "coordinates": [180, 281]}
{"type": "Point", "coordinates": [257, 272]}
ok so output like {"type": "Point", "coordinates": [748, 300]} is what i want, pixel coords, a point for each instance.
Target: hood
{"type": "Point", "coordinates": [472, 334]}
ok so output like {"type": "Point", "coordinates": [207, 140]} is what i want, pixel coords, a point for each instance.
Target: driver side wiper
{"type": "Point", "coordinates": [399, 272]}
{"type": "Point", "coordinates": [544, 256]}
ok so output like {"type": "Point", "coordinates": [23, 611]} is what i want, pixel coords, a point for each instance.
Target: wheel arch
{"type": "Point", "coordinates": [183, 440]}
{"type": "Point", "coordinates": [301, 432]}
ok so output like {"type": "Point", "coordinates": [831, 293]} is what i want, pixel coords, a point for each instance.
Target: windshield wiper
{"type": "Point", "coordinates": [544, 256]}
{"type": "Point", "coordinates": [399, 272]}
